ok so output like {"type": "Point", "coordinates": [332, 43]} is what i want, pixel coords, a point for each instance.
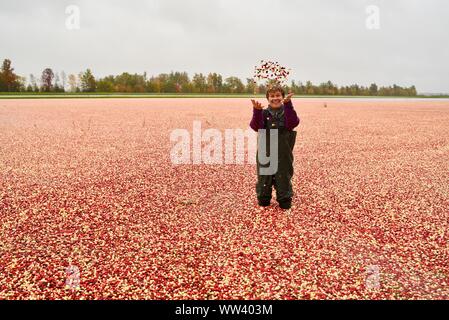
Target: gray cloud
{"type": "Point", "coordinates": [319, 40]}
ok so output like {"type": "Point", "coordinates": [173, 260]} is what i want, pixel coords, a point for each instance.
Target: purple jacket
{"type": "Point", "coordinates": [290, 116]}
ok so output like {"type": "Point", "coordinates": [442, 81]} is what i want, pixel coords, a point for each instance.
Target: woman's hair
{"type": "Point", "coordinates": [275, 89]}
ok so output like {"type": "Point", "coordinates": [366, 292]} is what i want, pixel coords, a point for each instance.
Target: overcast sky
{"type": "Point", "coordinates": [319, 40]}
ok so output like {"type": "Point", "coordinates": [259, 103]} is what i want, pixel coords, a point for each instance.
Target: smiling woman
{"type": "Point", "coordinates": [280, 117]}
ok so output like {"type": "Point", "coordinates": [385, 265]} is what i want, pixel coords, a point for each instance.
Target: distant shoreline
{"type": "Point", "coordinates": [171, 96]}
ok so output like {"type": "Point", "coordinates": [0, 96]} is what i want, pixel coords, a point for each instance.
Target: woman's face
{"type": "Point", "coordinates": [275, 99]}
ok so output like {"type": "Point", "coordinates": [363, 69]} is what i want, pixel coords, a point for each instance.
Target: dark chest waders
{"type": "Point", "coordinates": [282, 179]}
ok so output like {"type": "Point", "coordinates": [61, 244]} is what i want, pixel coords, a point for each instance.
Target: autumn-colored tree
{"type": "Point", "coordinates": [9, 81]}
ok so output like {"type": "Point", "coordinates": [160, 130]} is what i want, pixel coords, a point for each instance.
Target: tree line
{"type": "Point", "coordinates": [174, 82]}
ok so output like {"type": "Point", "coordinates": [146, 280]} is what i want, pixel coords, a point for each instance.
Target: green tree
{"type": "Point", "coordinates": [106, 84]}
{"type": "Point", "coordinates": [165, 83]}
{"type": "Point", "coordinates": [21, 84]}
{"type": "Point", "coordinates": [178, 82]}
{"type": "Point", "coordinates": [64, 80]}
{"type": "Point", "coordinates": [310, 90]}
{"type": "Point", "coordinates": [88, 83]}
{"type": "Point", "coordinates": [354, 90]}
{"type": "Point", "coordinates": [199, 83]}
{"type": "Point", "coordinates": [251, 86]}
{"type": "Point", "coordinates": [412, 91]}
{"type": "Point", "coordinates": [373, 90]}
{"type": "Point", "coordinates": [58, 86]}
{"type": "Point", "coordinates": [214, 83]}
{"type": "Point", "coordinates": [233, 85]}
{"type": "Point", "coordinates": [154, 85]}
{"type": "Point", "coordinates": [33, 83]}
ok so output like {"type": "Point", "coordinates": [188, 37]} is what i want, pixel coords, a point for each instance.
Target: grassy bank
{"type": "Point", "coordinates": [81, 95]}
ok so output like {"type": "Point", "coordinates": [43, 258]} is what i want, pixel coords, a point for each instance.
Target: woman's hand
{"type": "Point", "coordinates": [288, 97]}
{"type": "Point", "coordinates": [257, 105]}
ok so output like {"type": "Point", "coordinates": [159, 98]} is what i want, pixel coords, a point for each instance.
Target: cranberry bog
{"type": "Point", "coordinates": [92, 207]}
